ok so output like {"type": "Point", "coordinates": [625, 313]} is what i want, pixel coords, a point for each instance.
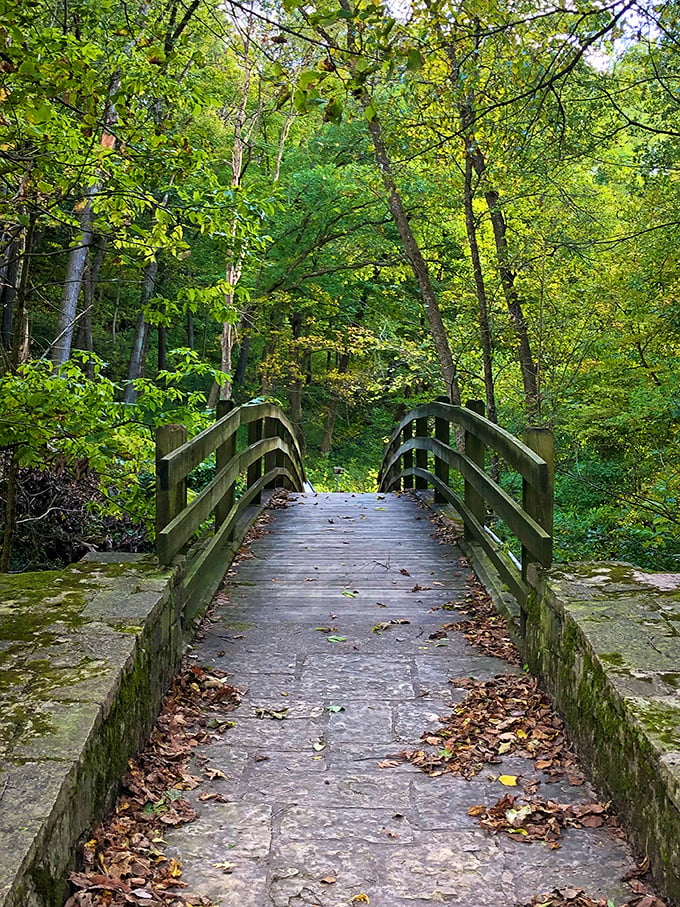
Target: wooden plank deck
{"type": "Point", "coordinates": [310, 817]}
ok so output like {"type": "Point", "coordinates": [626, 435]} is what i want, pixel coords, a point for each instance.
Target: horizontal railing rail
{"type": "Point", "coordinates": [419, 454]}
{"type": "Point", "coordinates": [271, 459]}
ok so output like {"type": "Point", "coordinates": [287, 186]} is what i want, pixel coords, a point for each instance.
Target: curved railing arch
{"type": "Point", "coordinates": [271, 459]}
{"type": "Point", "coordinates": [419, 454]}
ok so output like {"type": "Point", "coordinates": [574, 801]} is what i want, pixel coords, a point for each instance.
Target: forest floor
{"type": "Point", "coordinates": [353, 726]}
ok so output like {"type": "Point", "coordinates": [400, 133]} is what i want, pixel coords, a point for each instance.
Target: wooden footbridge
{"type": "Point", "coordinates": [337, 628]}
{"type": "Point", "coordinates": [255, 446]}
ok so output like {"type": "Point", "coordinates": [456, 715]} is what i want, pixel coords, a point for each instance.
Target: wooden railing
{"type": "Point", "coordinates": [271, 459]}
{"type": "Point", "coordinates": [419, 453]}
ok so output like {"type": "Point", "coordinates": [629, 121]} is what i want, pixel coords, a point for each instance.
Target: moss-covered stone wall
{"type": "Point", "coordinates": [606, 640]}
{"type": "Point", "coordinates": [85, 657]}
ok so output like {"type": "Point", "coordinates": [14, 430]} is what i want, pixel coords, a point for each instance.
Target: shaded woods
{"type": "Point", "coordinates": [349, 209]}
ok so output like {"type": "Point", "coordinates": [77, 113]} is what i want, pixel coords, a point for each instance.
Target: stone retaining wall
{"type": "Point", "coordinates": [85, 657]}
{"type": "Point", "coordinates": [606, 640]}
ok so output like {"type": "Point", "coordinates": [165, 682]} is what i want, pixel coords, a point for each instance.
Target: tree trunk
{"type": "Point", "coordinates": [9, 272]}
{"type": "Point", "coordinates": [10, 516]}
{"type": "Point", "coordinates": [480, 287]}
{"type": "Point", "coordinates": [141, 341]}
{"type": "Point", "coordinates": [85, 340]}
{"type": "Point", "coordinates": [162, 348]}
{"type": "Point", "coordinates": [75, 269]}
{"type": "Point", "coordinates": [191, 340]}
{"type": "Point", "coordinates": [415, 256]}
{"type": "Point", "coordinates": [242, 364]}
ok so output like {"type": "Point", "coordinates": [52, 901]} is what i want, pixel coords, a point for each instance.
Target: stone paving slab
{"type": "Point", "coordinates": [310, 817]}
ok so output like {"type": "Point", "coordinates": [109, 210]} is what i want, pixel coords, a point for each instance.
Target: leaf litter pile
{"type": "Point", "coordinates": [124, 861]}
{"type": "Point", "coordinates": [512, 715]}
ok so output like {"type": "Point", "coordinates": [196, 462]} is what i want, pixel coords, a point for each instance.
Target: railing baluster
{"type": "Point", "coordinates": [223, 454]}
{"type": "Point", "coordinates": [169, 501]}
{"type": "Point", "coordinates": [406, 435]}
{"type": "Point", "coordinates": [271, 427]}
{"type": "Point", "coordinates": [538, 502]}
{"type": "Point", "coordinates": [255, 429]}
{"type": "Point", "coordinates": [421, 455]}
{"type": "Point", "coordinates": [442, 432]}
{"type": "Point", "coordinates": [475, 451]}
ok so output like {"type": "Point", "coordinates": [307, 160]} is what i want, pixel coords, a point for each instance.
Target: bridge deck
{"type": "Point", "coordinates": [310, 816]}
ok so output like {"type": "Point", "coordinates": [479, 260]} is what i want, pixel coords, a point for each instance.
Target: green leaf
{"type": "Point", "coordinates": [414, 61]}
{"type": "Point", "coordinates": [370, 113]}
{"type": "Point", "coordinates": [300, 98]}
{"type": "Point", "coordinates": [336, 638]}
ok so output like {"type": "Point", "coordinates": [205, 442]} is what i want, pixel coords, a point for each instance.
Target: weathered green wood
{"type": "Point", "coordinates": [527, 530]}
{"type": "Point", "coordinates": [223, 454]}
{"type": "Point", "coordinates": [255, 430]}
{"type": "Point", "coordinates": [172, 538]}
{"type": "Point", "coordinates": [538, 502]}
{"type": "Point", "coordinates": [474, 451]}
{"type": "Point", "coordinates": [442, 432]}
{"type": "Point", "coordinates": [271, 430]}
{"type": "Point", "coordinates": [406, 435]}
{"type": "Point", "coordinates": [515, 452]}
{"type": "Point", "coordinates": [421, 451]}
{"type": "Point", "coordinates": [171, 500]}
{"type": "Point", "coordinates": [508, 572]}
{"type": "Point", "coordinates": [181, 461]}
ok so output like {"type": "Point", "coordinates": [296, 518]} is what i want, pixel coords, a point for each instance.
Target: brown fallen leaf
{"type": "Point", "coordinates": [328, 880]}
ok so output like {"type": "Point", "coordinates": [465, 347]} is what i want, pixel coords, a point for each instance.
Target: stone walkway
{"type": "Point", "coordinates": [310, 818]}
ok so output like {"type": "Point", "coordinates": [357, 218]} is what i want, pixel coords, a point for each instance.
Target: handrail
{"type": "Point", "coordinates": [426, 433]}
{"type": "Point", "coordinates": [271, 459]}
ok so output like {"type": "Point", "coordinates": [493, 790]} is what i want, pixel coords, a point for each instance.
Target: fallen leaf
{"type": "Point", "coordinates": [508, 780]}
{"type": "Point", "coordinates": [336, 638]}
{"type": "Point", "coordinates": [274, 714]}
{"type": "Point", "coordinates": [328, 880]}
{"type": "Point", "coordinates": [225, 866]}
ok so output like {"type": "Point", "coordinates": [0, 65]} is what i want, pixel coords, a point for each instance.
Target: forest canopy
{"type": "Point", "coordinates": [349, 207]}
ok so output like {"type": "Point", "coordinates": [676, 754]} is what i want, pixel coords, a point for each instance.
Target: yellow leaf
{"type": "Point", "coordinates": [508, 780]}
{"type": "Point", "coordinates": [521, 734]}
{"type": "Point", "coordinates": [360, 899]}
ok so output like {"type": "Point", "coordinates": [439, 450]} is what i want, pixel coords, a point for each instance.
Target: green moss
{"type": "Point", "coordinates": [612, 658]}
{"type": "Point", "coordinates": [660, 721]}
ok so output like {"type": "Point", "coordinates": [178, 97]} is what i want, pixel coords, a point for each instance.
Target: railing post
{"type": "Point", "coordinates": [255, 469]}
{"type": "Point", "coordinates": [169, 501]}
{"type": "Point", "coordinates": [223, 454]}
{"type": "Point", "coordinates": [421, 455]}
{"type": "Point", "coordinates": [271, 460]}
{"type": "Point", "coordinates": [407, 459]}
{"type": "Point", "coordinates": [538, 502]}
{"type": "Point", "coordinates": [442, 432]}
{"type": "Point", "coordinates": [475, 451]}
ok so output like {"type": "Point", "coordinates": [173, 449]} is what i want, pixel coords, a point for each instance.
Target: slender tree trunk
{"type": "Point", "coordinates": [141, 341]}
{"type": "Point", "coordinates": [480, 287]}
{"type": "Point", "coordinates": [162, 348]}
{"type": "Point", "coordinates": [9, 272]}
{"type": "Point", "coordinates": [85, 339]}
{"type": "Point", "coordinates": [10, 515]}
{"type": "Point", "coordinates": [415, 256]}
{"type": "Point", "coordinates": [75, 269]}
{"type": "Point", "coordinates": [243, 353]}
{"type": "Point", "coordinates": [17, 355]}
{"type": "Point", "coordinates": [191, 339]}
{"type": "Point", "coordinates": [332, 413]}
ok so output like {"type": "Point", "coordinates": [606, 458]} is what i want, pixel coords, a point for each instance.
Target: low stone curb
{"type": "Point", "coordinates": [85, 657]}
{"type": "Point", "coordinates": [605, 638]}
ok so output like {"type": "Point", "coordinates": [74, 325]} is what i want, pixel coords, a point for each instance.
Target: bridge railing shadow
{"type": "Point", "coordinates": [420, 454]}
